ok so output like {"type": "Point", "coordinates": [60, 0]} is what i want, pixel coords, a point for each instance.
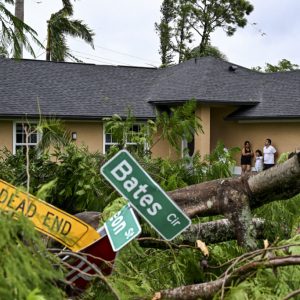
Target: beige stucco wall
{"type": "Point", "coordinates": [285, 136]}
{"type": "Point", "coordinates": [89, 134]}
{"type": "Point", "coordinates": [202, 139]}
{"type": "Point", "coordinates": [6, 135]}
{"type": "Point", "coordinates": [162, 148]}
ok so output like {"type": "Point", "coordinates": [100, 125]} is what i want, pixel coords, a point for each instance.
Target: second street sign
{"type": "Point", "coordinates": [146, 196]}
{"type": "Point", "coordinates": [122, 227]}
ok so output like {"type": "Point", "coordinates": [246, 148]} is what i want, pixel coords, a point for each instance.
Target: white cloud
{"type": "Point", "coordinates": [127, 27]}
{"type": "Point", "coordinates": [278, 22]}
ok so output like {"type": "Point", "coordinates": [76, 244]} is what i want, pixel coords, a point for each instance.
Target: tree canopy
{"type": "Point", "coordinates": [282, 66]}
{"type": "Point", "coordinates": [58, 27]}
{"type": "Point", "coordinates": [13, 32]}
{"type": "Point", "coordinates": [186, 21]}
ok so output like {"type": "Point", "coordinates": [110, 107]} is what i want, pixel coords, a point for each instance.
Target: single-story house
{"type": "Point", "coordinates": [234, 103]}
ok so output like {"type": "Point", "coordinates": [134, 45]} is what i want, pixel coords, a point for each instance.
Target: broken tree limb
{"type": "Point", "coordinates": [215, 231]}
{"type": "Point", "coordinates": [208, 289]}
{"type": "Point", "coordinates": [235, 197]}
{"type": "Point", "coordinates": [218, 196]}
{"type": "Point", "coordinates": [278, 183]}
{"type": "Point", "coordinates": [210, 232]}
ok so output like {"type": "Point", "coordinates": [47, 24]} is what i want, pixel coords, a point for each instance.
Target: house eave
{"type": "Point", "coordinates": [263, 119]}
{"type": "Point", "coordinates": [62, 117]}
{"type": "Point", "coordinates": [239, 103]}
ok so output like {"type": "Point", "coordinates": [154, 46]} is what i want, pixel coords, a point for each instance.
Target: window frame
{"type": "Point", "coordinates": [15, 143]}
{"type": "Point", "coordinates": [115, 143]}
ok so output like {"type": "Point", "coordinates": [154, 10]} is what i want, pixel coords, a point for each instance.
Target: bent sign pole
{"type": "Point", "coordinates": [100, 254]}
{"type": "Point", "coordinates": [48, 219]}
{"type": "Point", "coordinates": [145, 195]}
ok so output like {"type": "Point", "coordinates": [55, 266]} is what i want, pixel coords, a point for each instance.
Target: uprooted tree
{"type": "Point", "coordinates": [234, 198]}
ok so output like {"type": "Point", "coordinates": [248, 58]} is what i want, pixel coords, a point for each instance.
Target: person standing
{"type": "Point", "coordinates": [258, 161]}
{"type": "Point", "coordinates": [269, 154]}
{"type": "Point", "coordinates": [246, 157]}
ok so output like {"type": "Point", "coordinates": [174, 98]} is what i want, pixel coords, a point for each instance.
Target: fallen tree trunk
{"type": "Point", "coordinates": [235, 197]}
{"type": "Point", "coordinates": [210, 232]}
{"type": "Point", "coordinates": [218, 196]}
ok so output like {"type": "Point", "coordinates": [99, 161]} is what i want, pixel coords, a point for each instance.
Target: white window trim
{"type": "Point", "coordinates": [15, 144]}
{"type": "Point", "coordinates": [127, 143]}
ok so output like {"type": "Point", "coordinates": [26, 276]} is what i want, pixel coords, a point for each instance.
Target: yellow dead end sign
{"type": "Point", "coordinates": [65, 228]}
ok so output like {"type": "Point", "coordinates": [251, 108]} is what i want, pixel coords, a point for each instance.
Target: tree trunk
{"type": "Point", "coordinates": [19, 13]}
{"type": "Point", "coordinates": [48, 46]}
{"type": "Point", "coordinates": [235, 197]}
{"type": "Point", "coordinates": [210, 232]}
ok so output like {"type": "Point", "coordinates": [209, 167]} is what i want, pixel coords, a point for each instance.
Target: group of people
{"type": "Point", "coordinates": [263, 160]}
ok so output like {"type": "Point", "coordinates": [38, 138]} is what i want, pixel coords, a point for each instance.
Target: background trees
{"type": "Point", "coordinates": [19, 13]}
{"type": "Point", "coordinates": [58, 27]}
{"type": "Point", "coordinates": [186, 21]}
{"type": "Point", "coordinates": [283, 65]}
{"type": "Point", "coordinates": [13, 32]}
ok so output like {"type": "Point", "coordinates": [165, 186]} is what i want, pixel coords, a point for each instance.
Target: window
{"type": "Point", "coordinates": [130, 139]}
{"type": "Point", "coordinates": [188, 148]}
{"type": "Point", "coordinates": [20, 130]}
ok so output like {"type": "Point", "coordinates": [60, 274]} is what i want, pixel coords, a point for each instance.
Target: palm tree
{"type": "Point", "coordinates": [58, 27]}
{"type": "Point", "coordinates": [13, 32]}
{"type": "Point", "coordinates": [19, 13]}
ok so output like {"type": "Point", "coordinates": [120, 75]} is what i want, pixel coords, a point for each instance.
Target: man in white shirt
{"type": "Point", "coordinates": [269, 154]}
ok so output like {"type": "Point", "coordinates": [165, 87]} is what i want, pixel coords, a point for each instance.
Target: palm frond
{"type": "Point", "coordinates": [59, 26]}
{"type": "Point", "coordinates": [14, 32]}
{"type": "Point", "coordinates": [68, 7]}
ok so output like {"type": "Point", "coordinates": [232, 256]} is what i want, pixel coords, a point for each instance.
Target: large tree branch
{"type": "Point", "coordinates": [278, 183]}
{"type": "Point", "coordinates": [208, 289]}
{"type": "Point", "coordinates": [235, 197]}
{"type": "Point", "coordinates": [205, 199]}
{"type": "Point", "coordinates": [209, 232]}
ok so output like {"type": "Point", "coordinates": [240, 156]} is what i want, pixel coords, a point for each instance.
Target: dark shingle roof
{"type": "Point", "coordinates": [84, 91]}
{"type": "Point", "coordinates": [280, 98]}
{"type": "Point", "coordinates": [73, 90]}
{"type": "Point", "coordinates": [208, 80]}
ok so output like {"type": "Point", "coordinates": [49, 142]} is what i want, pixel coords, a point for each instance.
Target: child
{"type": "Point", "coordinates": [258, 161]}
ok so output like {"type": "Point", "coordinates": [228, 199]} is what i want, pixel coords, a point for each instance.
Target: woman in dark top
{"type": "Point", "coordinates": [246, 157]}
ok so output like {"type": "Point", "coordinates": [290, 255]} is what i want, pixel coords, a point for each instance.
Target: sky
{"type": "Point", "coordinates": [125, 34]}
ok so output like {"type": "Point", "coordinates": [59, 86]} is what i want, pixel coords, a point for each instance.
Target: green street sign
{"type": "Point", "coordinates": [145, 195]}
{"type": "Point", "coordinates": [122, 227]}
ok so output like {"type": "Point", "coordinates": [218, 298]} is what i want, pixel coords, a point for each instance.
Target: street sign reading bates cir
{"type": "Point", "coordinates": [145, 195]}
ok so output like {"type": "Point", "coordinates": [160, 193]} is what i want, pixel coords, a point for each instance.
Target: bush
{"type": "Point", "coordinates": [26, 266]}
